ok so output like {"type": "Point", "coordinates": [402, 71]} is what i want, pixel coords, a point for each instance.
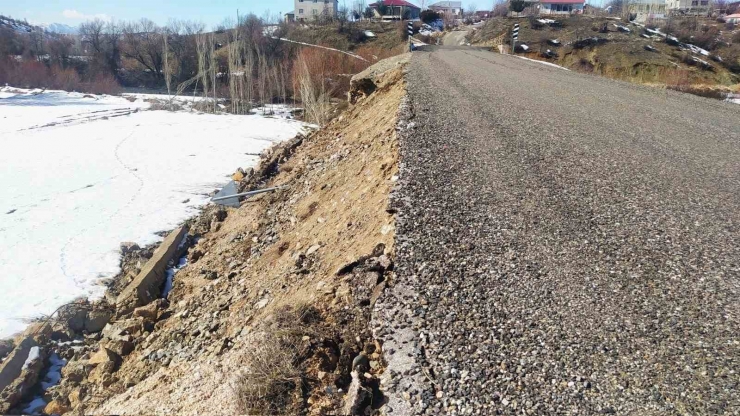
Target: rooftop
{"type": "Point", "coordinates": [395, 3]}
{"type": "Point", "coordinates": [447, 4]}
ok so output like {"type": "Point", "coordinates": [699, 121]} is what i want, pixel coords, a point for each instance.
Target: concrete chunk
{"type": "Point", "coordinates": [147, 285]}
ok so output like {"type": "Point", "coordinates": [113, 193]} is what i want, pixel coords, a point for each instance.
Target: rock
{"type": "Point", "coordinates": [361, 362]}
{"type": "Point", "coordinates": [148, 312]}
{"type": "Point", "coordinates": [238, 175]}
{"type": "Point", "coordinates": [102, 374]}
{"type": "Point", "coordinates": [6, 346]}
{"type": "Point", "coordinates": [312, 249]}
{"type": "Point", "coordinates": [28, 359]}
{"type": "Point", "coordinates": [262, 303]}
{"type": "Point", "coordinates": [118, 329]}
{"type": "Point", "coordinates": [74, 316]}
{"type": "Point", "coordinates": [74, 371]}
{"type": "Point", "coordinates": [128, 247]}
{"type": "Point", "coordinates": [97, 319]}
{"type": "Point", "coordinates": [104, 356]}
{"type": "Point", "coordinates": [56, 407]}
{"type": "Point", "coordinates": [357, 398]}
{"type": "Point", "coordinates": [195, 255]}
{"type": "Point", "coordinates": [75, 397]}
{"type": "Point", "coordinates": [120, 347]}
{"type": "Point", "coordinates": [220, 215]}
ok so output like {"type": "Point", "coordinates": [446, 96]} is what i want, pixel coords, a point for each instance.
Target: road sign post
{"type": "Point", "coordinates": [410, 30]}
{"type": "Point", "coordinates": [514, 37]}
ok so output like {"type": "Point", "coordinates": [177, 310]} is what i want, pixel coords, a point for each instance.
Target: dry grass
{"type": "Point", "coordinates": [274, 374]}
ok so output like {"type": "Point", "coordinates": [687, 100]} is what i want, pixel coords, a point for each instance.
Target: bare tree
{"type": "Point", "coordinates": [59, 48]}
{"type": "Point", "coordinates": [101, 42]}
{"type": "Point", "coordinates": [142, 43]}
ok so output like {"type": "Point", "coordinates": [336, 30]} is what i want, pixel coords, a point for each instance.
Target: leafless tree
{"type": "Point", "coordinates": [59, 48]}
{"type": "Point", "coordinates": [143, 43]}
{"type": "Point", "coordinates": [101, 42]}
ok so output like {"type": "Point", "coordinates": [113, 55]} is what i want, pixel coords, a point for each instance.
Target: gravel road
{"type": "Point", "coordinates": [566, 244]}
{"type": "Point", "coordinates": [455, 38]}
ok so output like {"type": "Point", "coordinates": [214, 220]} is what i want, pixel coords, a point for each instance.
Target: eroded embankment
{"type": "Point", "coordinates": [272, 312]}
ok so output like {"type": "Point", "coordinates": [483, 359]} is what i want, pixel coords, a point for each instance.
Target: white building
{"type": "Point", "coordinates": [645, 10]}
{"type": "Point", "coordinates": [444, 7]}
{"type": "Point", "coordinates": [687, 5]}
{"type": "Point", "coordinates": [307, 10]}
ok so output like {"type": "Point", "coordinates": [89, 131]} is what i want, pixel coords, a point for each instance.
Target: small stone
{"type": "Point", "coordinates": [312, 249]}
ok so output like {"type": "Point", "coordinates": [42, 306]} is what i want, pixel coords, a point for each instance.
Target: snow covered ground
{"type": "Point", "coordinates": [80, 175]}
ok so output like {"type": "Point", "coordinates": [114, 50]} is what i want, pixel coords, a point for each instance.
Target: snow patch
{"type": "Point", "coordinates": [54, 374]}
{"type": "Point", "coordinates": [100, 172]}
{"type": "Point", "coordinates": [542, 62]}
{"type": "Point", "coordinates": [33, 354]}
{"type": "Point", "coordinates": [170, 274]}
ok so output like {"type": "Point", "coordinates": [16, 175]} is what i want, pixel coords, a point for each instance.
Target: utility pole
{"type": "Point", "coordinates": [514, 37]}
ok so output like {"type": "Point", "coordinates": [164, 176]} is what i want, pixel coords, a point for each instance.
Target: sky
{"type": "Point", "coordinates": [209, 12]}
{"type": "Point", "coordinates": [74, 12]}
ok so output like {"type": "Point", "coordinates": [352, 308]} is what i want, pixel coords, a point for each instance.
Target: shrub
{"type": "Point", "coordinates": [274, 369]}
{"type": "Point", "coordinates": [517, 5]}
{"type": "Point", "coordinates": [34, 74]}
{"type": "Point", "coordinates": [429, 16]}
{"type": "Point", "coordinates": [271, 378]}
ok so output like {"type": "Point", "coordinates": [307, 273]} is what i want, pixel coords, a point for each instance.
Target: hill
{"type": "Point", "coordinates": [692, 55]}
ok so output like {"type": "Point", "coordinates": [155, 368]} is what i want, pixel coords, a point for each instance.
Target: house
{"type": "Point", "coordinates": [644, 10]}
{"type": "Point", "coordinates": [561, 6]}
{"type": "Point", "coordinates": [289, 17]}
{"type": "Point", "coordinates": [453, 8]}
{"type": "Point", "coordinates": [733, 18]}
{"type": "Point", "coordinates": [683, 6]}
{"type": "Point", "coordinates": [395, 10]}
{"type": "Point", "coordinates": [307, 10]}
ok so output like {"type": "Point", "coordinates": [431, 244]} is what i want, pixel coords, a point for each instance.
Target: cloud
{"type": "Point", "coordinates": [74, 14]}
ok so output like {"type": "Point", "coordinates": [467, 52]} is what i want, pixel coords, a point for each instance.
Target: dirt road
{"type": "Point", "coordinates": [455, 38]}
{"type": "Point", "coordinates": [566, 244]}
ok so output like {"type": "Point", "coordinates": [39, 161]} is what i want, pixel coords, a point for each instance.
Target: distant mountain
{"type": "Point", "coordinates": [60, 28]}
{"type": "Point", "coordinates": [22, 26]}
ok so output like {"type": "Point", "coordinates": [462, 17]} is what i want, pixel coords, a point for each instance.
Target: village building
{"type": "Point", "coordinates": [395, 10]}
{"type": "Point", "coordinates": [307, 10]}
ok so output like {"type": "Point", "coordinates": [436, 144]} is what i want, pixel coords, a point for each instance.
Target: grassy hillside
{"type": "Point", "coordinates": [622, 53]}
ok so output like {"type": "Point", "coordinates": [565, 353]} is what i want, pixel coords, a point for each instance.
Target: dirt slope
{"type": "Point", "coordinates": [283, 285]}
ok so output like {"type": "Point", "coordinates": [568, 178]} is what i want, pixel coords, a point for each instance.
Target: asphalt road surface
{"type": "Point", "coordinates": [566, 244]}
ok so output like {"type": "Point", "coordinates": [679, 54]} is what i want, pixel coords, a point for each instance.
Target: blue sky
{"type": "Point", "coordinates": [210, 12]}
{"type": "Point", "coordinates": [74, 12]}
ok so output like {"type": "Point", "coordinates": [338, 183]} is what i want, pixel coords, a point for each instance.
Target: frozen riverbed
{"type": "Point", "coordinates": [81, 175]}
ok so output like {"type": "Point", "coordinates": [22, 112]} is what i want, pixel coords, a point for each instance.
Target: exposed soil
{"type": "Point", "coordinates": [295, 272]}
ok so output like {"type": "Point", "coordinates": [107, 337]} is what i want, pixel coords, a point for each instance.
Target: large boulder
{"type": "Point", "coordinates": [97, 319]}
{"type": "Point", "coordinates": [104, 356]}
{"type": "Point", "coordinates": [31, 365]}
{"type": "Point", "coordinates": [56, 407]}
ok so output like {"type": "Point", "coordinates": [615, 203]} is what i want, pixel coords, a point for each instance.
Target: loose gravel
{"type": "Point", "coordinates": [566, 244]}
